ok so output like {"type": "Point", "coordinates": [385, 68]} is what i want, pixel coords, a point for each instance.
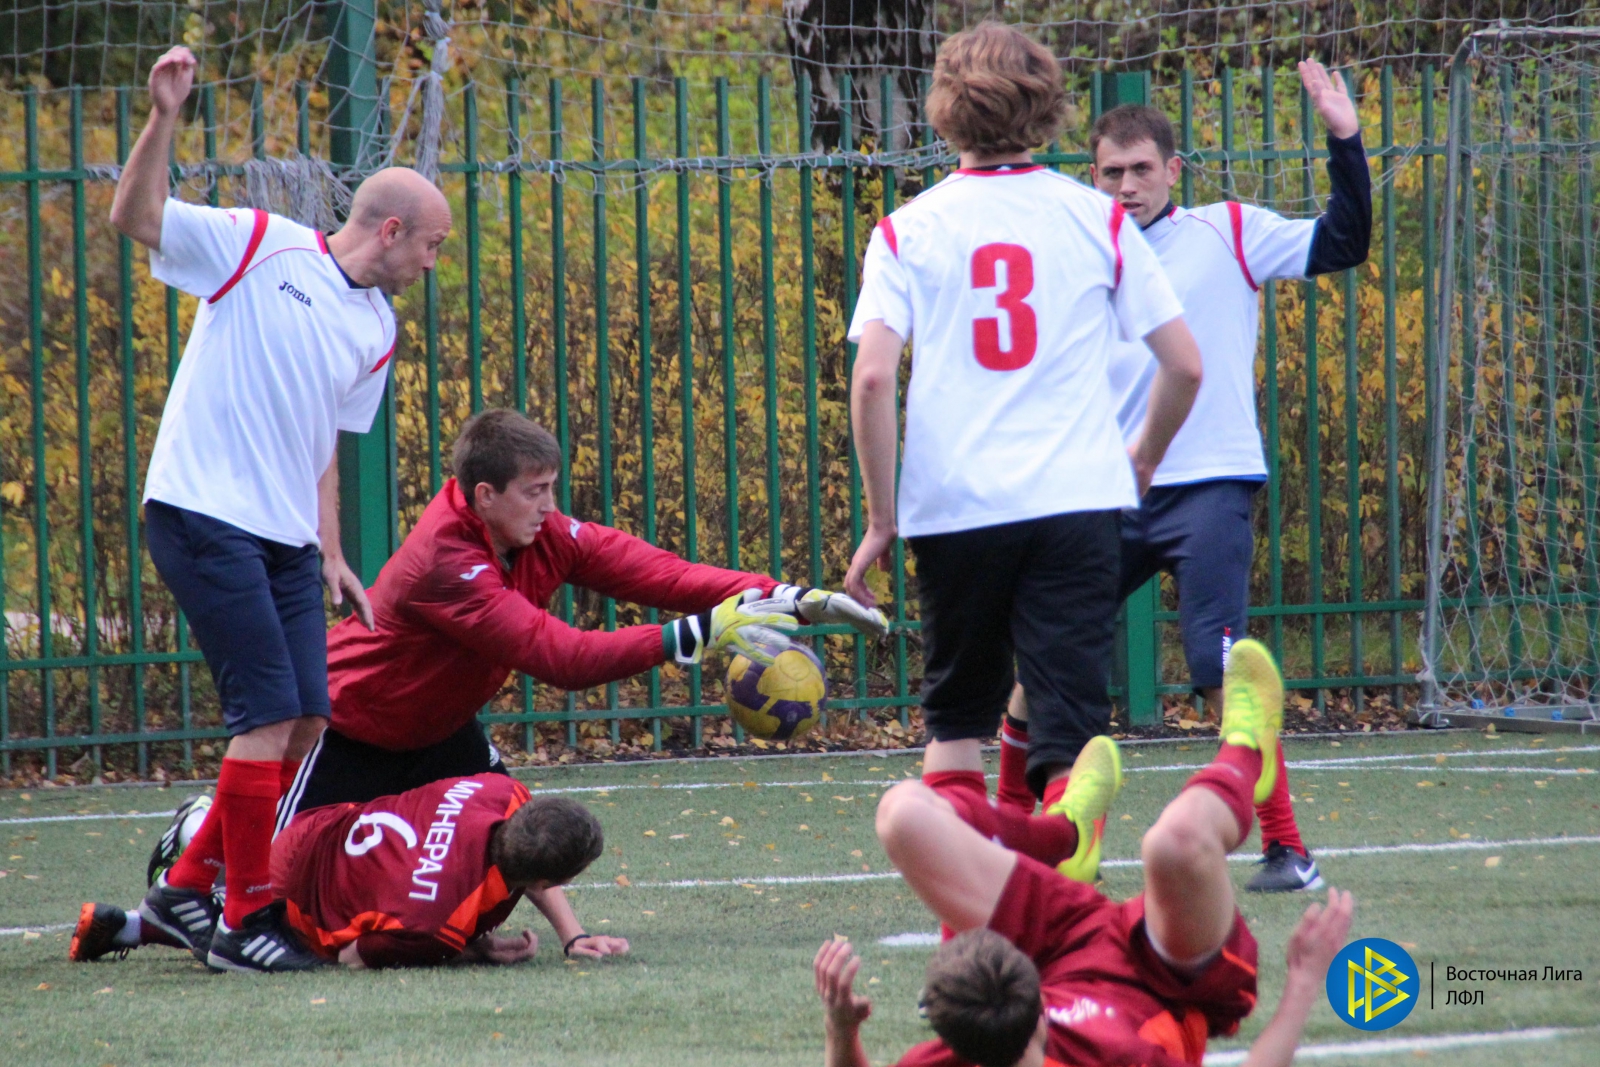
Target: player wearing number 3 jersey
{"type": "Point", "coordinates": [1013, 284]}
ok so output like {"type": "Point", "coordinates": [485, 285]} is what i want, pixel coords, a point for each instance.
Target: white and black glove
{"type": "Point", "coordinates": [820, 607]}
{"type": "Point", "coordinates": [742, 621]}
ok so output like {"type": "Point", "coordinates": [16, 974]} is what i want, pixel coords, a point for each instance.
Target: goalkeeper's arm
{"type": "Point", "coordinates": [1311, 949]}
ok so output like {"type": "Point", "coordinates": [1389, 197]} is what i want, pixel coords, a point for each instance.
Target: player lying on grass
{"type": "Point", "coordinates": [1013, 283]}
{"type": "Point", "coordinates": [290, 346]}
{"type": "Point", "coordinates": [422, 878]}
{"type": "Point", "coordinates": [1045, 970]}
{"type": "Point", "coordinates": [1194, 523]}
{"type": "Point", "coordinates": [463, 604]}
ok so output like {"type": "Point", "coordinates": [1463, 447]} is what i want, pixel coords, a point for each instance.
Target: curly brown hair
{"type": "Point", "coordinates": [996, 90]}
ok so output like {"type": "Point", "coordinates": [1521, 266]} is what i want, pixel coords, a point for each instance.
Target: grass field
{"type": "Point", "coordinates": [736, 870]}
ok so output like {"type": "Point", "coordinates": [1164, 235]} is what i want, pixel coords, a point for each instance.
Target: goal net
{"type": "Point", "coordinates": [1513, 604]}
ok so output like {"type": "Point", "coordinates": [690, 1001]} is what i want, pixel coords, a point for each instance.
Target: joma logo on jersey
{"type": "Point", "coordinates": [436, 845]}
{"type": "Point", "coordinates": [285, 287]}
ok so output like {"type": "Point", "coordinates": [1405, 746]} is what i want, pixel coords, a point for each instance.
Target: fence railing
{"type": "Point", "coordinates": [669, 293]}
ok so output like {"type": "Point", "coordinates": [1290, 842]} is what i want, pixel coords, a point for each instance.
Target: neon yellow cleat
{"type": "Point", "coordinates": [1252, 708]}
{"type": "Point", "coordinates": [1096, 777]}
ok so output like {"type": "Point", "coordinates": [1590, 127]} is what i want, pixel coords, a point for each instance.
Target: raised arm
{"type": "Point", "coordinates": [1312, 946]}
{"type": "Point", "coordinates": [141, 197]}
{"type": "Point", "coordinates": [1343, 232]}
{"type": "Point", "coordinates": [844, 1011]}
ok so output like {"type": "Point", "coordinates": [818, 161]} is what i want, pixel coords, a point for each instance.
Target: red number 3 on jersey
{"type": "Point", "coordinates": [1020, 317]}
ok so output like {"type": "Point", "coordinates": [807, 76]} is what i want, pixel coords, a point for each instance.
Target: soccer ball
{"type": "Point", "coordinates": [779, 702]}
{"type": "Point", "coordinates": [180, 831]}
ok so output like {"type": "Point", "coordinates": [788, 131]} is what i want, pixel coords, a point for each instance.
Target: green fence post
{"type": "Point", "coordinates": [365, 502]}
{"type": "Point", "coordinates": [1136, 634]}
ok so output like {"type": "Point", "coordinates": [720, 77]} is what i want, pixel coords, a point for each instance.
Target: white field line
{"type": "Point", "coordinates": [881, 876]}
{"type": "Point", "coordinates": [1417, 1046]}
{"type": "Point", "coordinates": [13, 931]}
{"type": "Point", "coordinates": [1354, 762]}
{"type": "Point", "coordinates": [1364, 850]}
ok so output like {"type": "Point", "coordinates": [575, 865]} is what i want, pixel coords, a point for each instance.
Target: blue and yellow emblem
{"type": "Point", "coordinates": [1373, 984]}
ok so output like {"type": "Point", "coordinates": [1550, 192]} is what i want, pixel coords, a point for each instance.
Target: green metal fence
{"type": "Point", "coordinates": [666, 286]}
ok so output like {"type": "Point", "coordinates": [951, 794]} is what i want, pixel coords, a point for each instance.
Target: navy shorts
{"type": "Point", "coordinates": [1032, 601]}
{"type": "Point", "coordinates": [1200, 533]}
{"type": "Point", "coordinates": [255, 608]}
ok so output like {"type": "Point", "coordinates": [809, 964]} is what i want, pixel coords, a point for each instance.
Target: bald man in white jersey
{"type": "Point", "coordinates": [291, 344]}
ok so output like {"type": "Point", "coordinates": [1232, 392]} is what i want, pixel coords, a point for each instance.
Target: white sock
{"type": "Point", "coordinates": [128, 936]}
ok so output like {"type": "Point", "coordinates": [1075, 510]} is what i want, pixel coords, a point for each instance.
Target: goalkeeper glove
{"type": "Point", "coordinates": [741, 621]}
{"type": "Point", "coordinates": [821, 607]}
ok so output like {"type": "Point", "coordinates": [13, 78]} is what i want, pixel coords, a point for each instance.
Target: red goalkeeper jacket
{"type": "Point", "coordinates": [453, 622]}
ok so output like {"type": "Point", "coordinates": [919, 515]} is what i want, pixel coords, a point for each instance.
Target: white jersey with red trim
{"type": "Point", "coordinates": [1217, 257]}
{"type": "Point", "coordinates": [284, 353]}
{"type": "Point", "coordinates": [1013, 287]}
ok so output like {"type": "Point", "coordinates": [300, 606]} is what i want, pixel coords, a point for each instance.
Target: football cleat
{"type": "Point", "coordinates": [176, 837]}
{"type": "Point", "coordinates": [1096, 777]}
{"type": "Point", "coordinates": [1252, 708]}
{"type": "Point", "coordinates": [1283, 870]}
{"type": "Point", "coordinates": [185, 915]}
{"type": "Point", "coordinates": [96, 932]}
{"type": "Point", "coordinates": [264, 943]}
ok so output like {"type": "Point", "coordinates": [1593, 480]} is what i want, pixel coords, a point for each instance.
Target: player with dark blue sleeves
{"type": "Point", "coordinates": [1195, 521]}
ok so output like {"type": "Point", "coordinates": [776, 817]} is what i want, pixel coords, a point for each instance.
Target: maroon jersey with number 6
{"type": "Point", "coordinates": [407, 878]}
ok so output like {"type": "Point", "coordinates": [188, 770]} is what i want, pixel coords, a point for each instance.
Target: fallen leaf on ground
{"type": "Point", "coordinates": [623, 881]}
{"type": "Point", "coordinates": [1492, 861]}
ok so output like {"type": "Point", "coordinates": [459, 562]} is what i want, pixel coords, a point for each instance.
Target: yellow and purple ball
{"type": "Point", "coordinates": [780, 701]}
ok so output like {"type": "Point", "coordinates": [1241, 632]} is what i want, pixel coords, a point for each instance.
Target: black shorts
{"type": "Point", "coordinates": [1041, 594]}
{"type": "Point", "coordinates": [340, 770]}
{"type": "Point", "coordinates": [1201, 534]}
{"type": "Point", "coordinates": [255, 608]}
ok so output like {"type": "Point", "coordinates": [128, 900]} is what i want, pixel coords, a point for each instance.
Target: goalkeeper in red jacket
{"type": "Point", "coordinates": [462, 605]}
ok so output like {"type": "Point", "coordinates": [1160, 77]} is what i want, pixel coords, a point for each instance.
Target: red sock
{"type": "Point", "coordinates": [1277, 814]}
{"type": "Point", "coordinates": [197, 868]}
{"type": "Point", "coordinates": [247, 800]}
{"type": "Point", "coordinates": [1013, 791]}
{"type": "Point", "coordinates": [286, 772]}
{"type": "Point", "coordinates": [1053, 791]}
{"type": "Point", "coordinates": [1232, 776]}
{"type": "Point", "coordinates": [967, 792]}
{"type": "Point", "coordinates": [1046, 838]}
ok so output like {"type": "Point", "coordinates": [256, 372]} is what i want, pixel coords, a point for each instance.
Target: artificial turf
{"type": "Point", "coordinates": [719, 972]}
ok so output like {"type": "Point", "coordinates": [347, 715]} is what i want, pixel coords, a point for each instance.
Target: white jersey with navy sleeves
{"type": "Point", "coordinates": [1217, 258]}
{"type": "Point", "coordinates": [1013, 287]}
{"type": "Point", "coordinates": [284, 353]}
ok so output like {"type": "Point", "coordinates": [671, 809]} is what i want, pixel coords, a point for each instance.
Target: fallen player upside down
{"type": "Point", "coordinates": [1043, 970]}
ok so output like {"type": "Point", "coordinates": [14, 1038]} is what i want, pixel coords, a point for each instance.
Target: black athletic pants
{"type": "Point", "coordinates": [341, 770]}
{"type": "Point", "coordinates": [1042, 594]}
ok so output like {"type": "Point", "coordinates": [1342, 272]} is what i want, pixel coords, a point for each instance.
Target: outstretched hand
{"type": "Point", "coordinates": [1320, 935]}
{"type": "Point", "coordinates": [835, 968]}
{"type": "Point", "coordinates": [170, 80]}
{"type": "Point", "coordinates": [1329, 98]}
{"type": "Point", "coordinates": [597, 945]}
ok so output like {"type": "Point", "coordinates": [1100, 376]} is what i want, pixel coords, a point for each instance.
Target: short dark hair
{"type": "Point", "coordinates": [497, 445]}
{"type": "Point", "coordinates": [1130, 124]}
{"type": "Point", "coordinates": [982, 996]}
{"type": "Point", "coordinates": [548, 839]}
{"type": "Point", "coordinates": [996, 90]}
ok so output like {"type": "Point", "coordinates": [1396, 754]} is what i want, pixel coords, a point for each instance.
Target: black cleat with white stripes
{"type": "Point", "coordinates": [262, 943]}
{"type": "Point", "coordinates": [186, 915]}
